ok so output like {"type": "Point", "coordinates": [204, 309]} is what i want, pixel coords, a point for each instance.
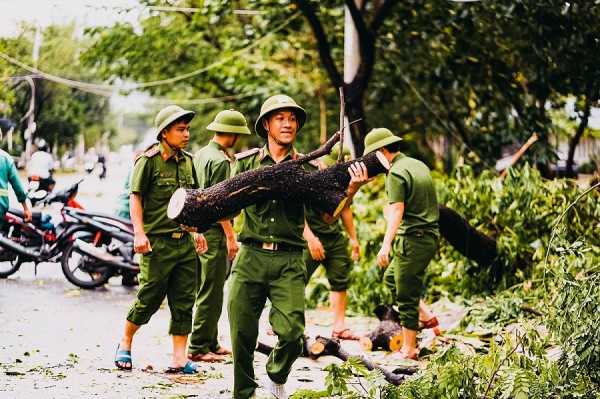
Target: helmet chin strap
{"type": "Point", "coordinates": [173, 148]}
{"type": "Point", "coordinates": [275, 140]}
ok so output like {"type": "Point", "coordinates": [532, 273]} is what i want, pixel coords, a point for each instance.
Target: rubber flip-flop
{"type": "Point", "coordinates": [123, 356]}
{"type": "Point", "coordinates": [208, 357]}
{"type": "Point", "coordinates": [345, 334]}
{"type": "Point", "coordinates": [189, 368]}
{"type": "Point", "coordinates": [431, 323]}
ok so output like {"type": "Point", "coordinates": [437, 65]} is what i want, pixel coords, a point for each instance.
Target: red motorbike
{"type": "Point", "coordinates": [39, 240]}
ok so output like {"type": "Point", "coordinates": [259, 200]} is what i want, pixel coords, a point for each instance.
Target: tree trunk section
{"type": "Point", "coordinates": [387, 335]}
{"type": "Point", "coordinates": [465, 238]}
{"type": "Point", "coordinates": [324, 189]}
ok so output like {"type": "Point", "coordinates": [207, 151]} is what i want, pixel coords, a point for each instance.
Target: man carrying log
{"type": "Point", "coordinates": [412, 230]}
{"type": "Point", "coordinates": [328, 246]}
{"type": "Point", "coordinates": [213, 165]}
{"type": "Point", "coordinates": [269, 263]}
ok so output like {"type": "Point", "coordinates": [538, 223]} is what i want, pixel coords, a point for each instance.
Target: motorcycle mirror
{"type": "Point", "coordinates": [38, 195]}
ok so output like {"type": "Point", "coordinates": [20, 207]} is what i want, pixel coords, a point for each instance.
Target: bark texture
{"type": "Point", "coordinates": [465, 238]}
{"type": "Point", "coordinates": [387, 335]}
{"type": "Point", "coordinates": [324, 189]}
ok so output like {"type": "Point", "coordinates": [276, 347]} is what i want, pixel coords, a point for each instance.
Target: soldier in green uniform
{"type": "Point", "coordinates": [269, 263]}
{"type": "Point", "coordinates": [213, 165]}
{"type": "Point", "coordinates": [169, 261]}
{"type": "Point", "coordinates": [9, 175]}
{"type": "Point", "coordinates": [328, 246]}
{"type": "Point", "coordinates": [412, 232]}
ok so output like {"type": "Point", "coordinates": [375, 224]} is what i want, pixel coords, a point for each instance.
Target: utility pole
{"type": "Point", "coordinates": [31, 125]}
{"type": "Point", "coordinates": [351, 62]}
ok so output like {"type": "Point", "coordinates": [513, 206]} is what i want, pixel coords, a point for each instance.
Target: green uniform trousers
{"type": "Point", "coordinates": [168, 271]}
{"type": "Point", "coordinates": [404, 277]}
{"type": "Point", "coordinates": [209, 292]}
{"type": "Point", "coordinates": [256, 275]}
{"type": "Point", "coordinates": [337, 262]}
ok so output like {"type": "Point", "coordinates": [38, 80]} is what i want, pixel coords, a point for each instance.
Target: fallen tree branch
{"type": "Point", "coordinates": [324, 189]}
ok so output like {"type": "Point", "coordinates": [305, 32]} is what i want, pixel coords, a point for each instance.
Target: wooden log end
{"type": "Point", "coordinates": [383, 160]}
{"type": "Point", "coordinates": [317, 348]}
{"type": "Point", "coordinates": [176, 203]}
{"type": "Point", "coordinates": [396, 342]}
{"type": "Point", "coordinates": [366, 343]}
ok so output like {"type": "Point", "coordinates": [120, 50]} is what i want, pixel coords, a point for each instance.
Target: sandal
{"type": "Point", "coordinates": [431, 323]}
{"type": "Point", "coordinates": [222, 351]}
{"type": "Point", "coordinates": [346, 334]}
{"type": "Point", "coordinates": [208, 357]}
{"type": "Point", "coordinates": [123, 356]}
{"type": "Point", "coordinates": [189, 368]}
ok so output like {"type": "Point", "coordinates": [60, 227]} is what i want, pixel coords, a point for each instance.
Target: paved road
{"type": "Point", "coordinates": [58, 341]}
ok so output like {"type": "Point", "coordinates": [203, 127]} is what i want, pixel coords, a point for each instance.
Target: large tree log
{"type": "Point", "coordinates": [387, 335]}
{"type": "Point", "coordinates": [466, 239]}
{"type": "Point", "coordinates": [324, 189]}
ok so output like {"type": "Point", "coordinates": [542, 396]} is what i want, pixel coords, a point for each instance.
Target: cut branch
{"type": "Point", "coordinates": [387, 335]}
{"type": "Point", "coordinates": [333, 347]}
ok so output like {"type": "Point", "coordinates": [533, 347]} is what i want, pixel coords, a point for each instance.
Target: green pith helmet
{"type": "Point", "coordinates": [273, 103]}
{"type": "Point", "coordinates": [168, 115]}
{"type": "Point", "coordinates": [229, 121]}
{"type": "Point", "coordinates": [331, 158]}
{"type": "Point", "coordinates": [378, 138]}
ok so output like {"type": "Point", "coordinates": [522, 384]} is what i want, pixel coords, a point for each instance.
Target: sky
{"type": "Point", "coordinates": [47, 12]}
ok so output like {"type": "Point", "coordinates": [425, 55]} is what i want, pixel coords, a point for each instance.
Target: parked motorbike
{"type": "Point", "coordinates": [90, 260]}
{"type": "Point", "coordinates": [39, 240]}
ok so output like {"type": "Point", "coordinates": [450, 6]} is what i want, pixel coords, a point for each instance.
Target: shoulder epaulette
{"type": "Point", "coordinates": [188, 153]}
{"type": "Point", "coordinates": [246, 154]}
{"type": "Point", "coordinates": [151, 152]}
{"type": "Point", "coordinates": [226, 155]}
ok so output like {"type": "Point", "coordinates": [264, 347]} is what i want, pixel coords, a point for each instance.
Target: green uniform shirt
{"type": "Point", "coordinates": [156, 176]}
{"type": "Point", "coordinates": [9, 175]}
{"type": "Point", "coordinates": [409, 180]}
{"type": "Point", "coordinates": [213, 165]}
{"type": "Point", "coordinates": [272, 221]}
{"type": "Point", "coordinates": [315, 220]}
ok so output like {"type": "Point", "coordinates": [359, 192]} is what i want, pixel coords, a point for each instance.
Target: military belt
{"type": "Point", "coordinates": [273, 246]}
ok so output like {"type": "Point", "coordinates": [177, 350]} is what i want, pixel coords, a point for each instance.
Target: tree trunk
{"type": "Point", "coordinates": [387, 335]}
{"type": "Point", "coordinates": [574, 141]}
{"type": "Point", "coordinates": [465, 238]}
{"type": "Point", "coordinates": [324, 189]}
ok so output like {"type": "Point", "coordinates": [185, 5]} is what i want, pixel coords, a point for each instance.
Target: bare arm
{"type": "Point", "coordinates": [348, 221]}
{"type": "Point", "coordinates": [141, 245]}
{"type": "Point", "coordinates": [394, 218]}
{"type": "Point", "coordinates": [232, 245]}
{"type": "Point", "coordinates": [317, 252]}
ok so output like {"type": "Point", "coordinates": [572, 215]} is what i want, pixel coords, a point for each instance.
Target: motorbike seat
{"type": "Point", "coordinates": [119, 219]}
{"type": "Point", "coordinates": [37, 215]}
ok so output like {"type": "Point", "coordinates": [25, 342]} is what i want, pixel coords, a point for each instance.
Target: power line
{"type": "Point", "coordinates": [134, 86]}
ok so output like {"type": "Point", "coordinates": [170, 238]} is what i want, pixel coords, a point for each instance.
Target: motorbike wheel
{"type": "Point", "coordinates": [9, 264]}
{"type": "Point", "coordinates": [83, 270]}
